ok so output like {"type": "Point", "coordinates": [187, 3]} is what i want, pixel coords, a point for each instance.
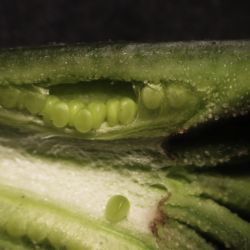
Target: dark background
{"type": "Point", "coordinates": [35, 22]}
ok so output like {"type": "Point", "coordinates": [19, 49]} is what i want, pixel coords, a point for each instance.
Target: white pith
{"type": "Point", "coordinates": [81, 188]}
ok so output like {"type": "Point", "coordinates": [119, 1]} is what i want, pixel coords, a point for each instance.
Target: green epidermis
{"type": "Point", "coordinates": [90, 111]}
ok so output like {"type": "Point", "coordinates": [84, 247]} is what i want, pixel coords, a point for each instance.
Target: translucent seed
{"type": "Point", "coordinates": [74, 107]}
{"type": "Point", "coordinates": [46, 112]}
{"type": "Point", "coordinates": [117, 208]}
{"type": "Point", "coordinates": [83, 121]}
{"type": "Point", "coordinates": [9, 97]}
{"type": "Point", "coordinates": [55, 238]}
{"type": "Point", "coordinates": [60, 114]}
{"type": "Point", "coordinates": [37, 231]}
{"type": "Point", "coordinates": [177, 96]}
{"type": "Point", "coordinates": [21, 100]}
{"type": "Point", "coordinates": [152, 97]}
{"type": "Point", "coordinates": [113, 107]}
{"type": "Point", "coordinates": [98, 111]}
{"type": "Point", "coordinates": [34, 102]}
{"type": "Point", "coordinates": [74, 243]}
{"type": "Point", "coordinates": [15, 229]}
{"type": "Point", "coordinates": [128, 109]}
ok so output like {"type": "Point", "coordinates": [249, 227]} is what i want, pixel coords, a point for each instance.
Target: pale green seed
{"type": "Point", "coordinates": [15, 229]}
{"type": "Point", "coordinates": [177, 96]}
{"type": "Point", "coordinates": [46, 112]}
{"type": "Point", "coordinates": [113, 107]}
{"type": "Point", "coordinates": [9, 97]}
{"type": "Point", "coordinates": [152, 97]}
{"type": "Point", "coordinates": [74, 107]}
{"type": "Point", "coordinates": [55, 237]}
{"type": "Point", "coordinates": [21, 100]}
{"type": "Point", "coordinates": [128, 109]}
{"type": "Point", "coordinates": [37, 231]}
{"type": "Point", "coordinates": [60, 114]}
{"type": "Point", "coordinates": [74, 243]}
{"type": "Point", "coordinates": [83, 121]}
{"type": "Point", "coordinates": [98, 111]}
{"type": "Point", "coordinates": [34, 102]}
{"type": "Point", "coordinates": [117, 208]}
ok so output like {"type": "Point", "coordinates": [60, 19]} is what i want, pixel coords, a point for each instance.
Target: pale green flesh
{"type": "Point", "coordinates": [65, 203]}
{"type": "Point", "coordinates": [70, 188]}
{"type": "Point", "coordinates": [22, 216]}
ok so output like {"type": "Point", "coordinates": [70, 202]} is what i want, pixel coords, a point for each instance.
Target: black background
{"type": "Point", "coordinates": [31, 22]}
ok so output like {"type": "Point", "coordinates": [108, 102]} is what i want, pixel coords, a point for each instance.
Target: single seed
{"type": "Point", "coordinates": [60, 114]}
{"type": "Point", "coordinates": [34, 102]}
{"type": "Point", "coordinates": [83, 121]}
{"type": "Point", "coordinates": [55, 238]}
{"type": "Point", "coordinates": [74, 107]}
{"type": "Point", "coordinates": [117, 208]}
{"type": "Point", "coordinates": [21, 100]}
{"type": "Point", "coordinates": [128, 109]}
{"type": "Point", "coordinates": [98, 111]}
{"type": "Point", "coordinates": [113, 107]}
{"type": "Point", "coordinates": [16, 229]}
{"type": "Point", "coordinates": [177, 96]}
{"type": "Point", "coordinates": [37, 232]}
{"type": "Point", "coordinates": [9, 97]}
{"type": "Point", "coordinates": [46, 112]}
{"type": "Point", "coordinates": [152, 97]}
{"type": "Point", "coordinates": [74, 243]}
